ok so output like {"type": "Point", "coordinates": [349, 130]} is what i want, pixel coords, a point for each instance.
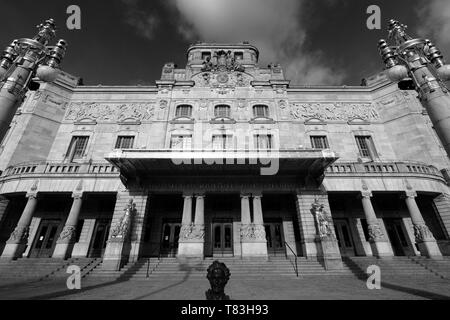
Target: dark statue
{"type": "Point", "coordinates": [218, 276]}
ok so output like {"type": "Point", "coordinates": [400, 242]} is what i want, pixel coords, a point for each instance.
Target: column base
{"type": "Point", "coordinates": [381, 249]}
{"type": "Point", "coordinates": [254, 249]}
{"type": "Point", "coordinates": [430, 249]}
{"type": "Point", "coordinates": [13, 251]}
{"type": "Point", "coordinates": [62, 250]}
{"type": "Point", "coordinates": [330, 254]}
{"type": "Point", "coordinates": [113, 260]}
{"type": "Point", "coordinates": [80, 250]}
{"type": "Point", "coordinates": [191, 249]}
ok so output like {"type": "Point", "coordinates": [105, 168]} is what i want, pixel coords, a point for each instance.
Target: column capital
{"type": "Point", "coordinates": [77, 195]}
{"type": "Point", "coordinates": [32, 195]}
{"type": "Point", "coordinates": [200, 196]}
{"type": "Point", "coordinates": [257, 196]}
{"type": "Point", "coordinates": [366, 194]}
{"type": "Point", "coordinates": [245, 195]}
{"type": "Point", "coordinates": [409, 194]}
{"type": "Point", "coordinates": [188, 195]}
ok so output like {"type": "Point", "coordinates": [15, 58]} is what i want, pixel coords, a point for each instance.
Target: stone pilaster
{"type": "Point", "coordinates": [126, 229]}
{"type": "Point", "coordinates": [17, 242]}
{"type": "Point", "coordinates": [66, 239]}
{"type": "Point", "coordinates": [192, 234]}
{"type": "Point", "coordinates": [424, 238]}
{"type": "Point", "coordinates": [377, 239]}
{"type": "Point", "coordinates": [328, 245]}
{"type": "Point", "coordinates": [253, 233]}
{"type": "Point", "coordinates": [306, 222]}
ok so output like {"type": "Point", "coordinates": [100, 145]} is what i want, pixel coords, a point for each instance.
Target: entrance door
{"type": "Point", "coordinates": [222, 238]}
{"type": "Point", "coordinates": [396, 236]}
{"type": "Point", "coordinates": [275, 239]}
{"type": "Point", "coordinates": [344, 237]}
{"type": "Point", "coordinates": [100, 236]}
{"type": "Point", "coordinates": [45, 241]}
{"type": "Point", "coordinates": [170, 237]}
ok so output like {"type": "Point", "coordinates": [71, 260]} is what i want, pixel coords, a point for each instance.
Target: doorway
{"type": "Point", "coordinates": [100, 237]}
{"type": "Point", "coordinates": [396, 236]}
{"type": "Point", "coordinates": [275, 239]}
{"type": "Point", "coordinates": [222, 238]}
{"type": "Point", "coordinates": [45, 241]}
{"type": "Point", "coordinates": [170, 238]}
{"type": "Point", "coordinates": [344, 237]}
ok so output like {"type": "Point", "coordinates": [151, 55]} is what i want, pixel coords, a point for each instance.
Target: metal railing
{"type": "Point", "coordinates": [159, 259]}
{"type": "Point", "coordinates": [295, 256]}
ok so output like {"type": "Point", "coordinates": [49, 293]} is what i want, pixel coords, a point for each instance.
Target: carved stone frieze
{"type": "Point", "coordinates": [67, 235]}
{"type": "Point", "coordinates": [192, 232]}
{"type": "Point", "coordinates": [253, 232]}
{"type": "Point", "coordinates": [109, 111]}
{"type": "Point", "coordinates": [422, 233]}
{"type": "Point", "coordinates": [19, 235]}
{"type": "Point", "coordinates": [335, 111]}
{"type": "Point", "coordinates": [375, 232]}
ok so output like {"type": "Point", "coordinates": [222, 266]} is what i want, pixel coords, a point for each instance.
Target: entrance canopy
{"type": "Point", "coordinates": [137, 164]}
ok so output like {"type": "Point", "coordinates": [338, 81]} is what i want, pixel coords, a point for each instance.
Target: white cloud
{"type": "Point", "coordinates": [275, 27]}
{"type": "Point", "coordinates": [435, 23]}
{"type": "Point", "coordinates": [144, 22]}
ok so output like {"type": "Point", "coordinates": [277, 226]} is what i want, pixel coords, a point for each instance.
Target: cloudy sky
{"type": "Point", "coordinates": [126, 42]}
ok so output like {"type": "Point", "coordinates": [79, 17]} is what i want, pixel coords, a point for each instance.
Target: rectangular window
{"type": "Point", "coordinates": [366, 147]}
{"type": "Point", "coordinates": [124, 142]}
{"type": "Point", "coordinates": [319, 142]}
{"type": "Point", "coordinates": [77, 147]}
{"type": "Point", "coordinates": [222, 111]}
{"type": "Point", "coordinates": [184, 111]}
{"type": "Point", "coordinates": [263, 141]}
{"type": "Point", "coordinates": [222, 142]}
{"type": "Point", "coordinates": [261, 111]}
{"type": "Point", "coordinates": [181, 142]}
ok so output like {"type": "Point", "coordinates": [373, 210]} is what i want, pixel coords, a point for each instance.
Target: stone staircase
{"type": "Point", "coordinates": [395, 267]}
{"type": "Point", "coordinates": [172, 268]}
{"type": "Point", "coordinates": [440, 267]}
{"type": "Point", "coordinates": [38, 269]}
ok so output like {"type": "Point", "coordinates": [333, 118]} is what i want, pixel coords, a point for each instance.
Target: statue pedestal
{"type": "Point", "coordinates": [430, 249]}
{"type": "Point", "coordinates": [13, 251]}
{"type": "Point", "coordinates": [254, 249]}
{"type": "Point", "coordinates": [330, 253]}
{"type": "Point", "coordinates": [191, 248]}
{"type": "Point", "coordinates": [113, 259]}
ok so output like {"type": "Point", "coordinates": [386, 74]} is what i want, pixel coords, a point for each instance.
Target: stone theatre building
{"type": "Point", "coordinates": [222, 158]}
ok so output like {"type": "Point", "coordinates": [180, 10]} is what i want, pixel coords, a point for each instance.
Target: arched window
{"type": "Point", "coordinates": [261, 110]}
{"type": "Point", "coordinates": [184, 110]}
{"type": "Point", "coordinates": [222, 111]}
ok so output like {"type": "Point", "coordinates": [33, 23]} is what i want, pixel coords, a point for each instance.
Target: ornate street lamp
{"type": "Point", "coordinates": [23, 60]}
{"type": "Point", "coordinates": [416, 64]}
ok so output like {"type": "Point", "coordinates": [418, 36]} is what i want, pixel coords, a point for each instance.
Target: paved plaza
{"type": "Point", "coordinates": [335, 288]}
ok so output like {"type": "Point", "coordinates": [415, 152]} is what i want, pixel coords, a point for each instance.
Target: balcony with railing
{"type": "Point", "coordinates": [382, 168]}
{"type": "Point", "coordinates": [56, 168]}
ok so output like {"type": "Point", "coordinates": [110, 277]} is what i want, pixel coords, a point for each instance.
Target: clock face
{"type": "Point", "coordinates": [222, 78]}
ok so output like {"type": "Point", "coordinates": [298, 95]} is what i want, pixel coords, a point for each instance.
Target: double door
{"type": "Point", "coordinates": [45, 240]}
{"type": "Point", "coordinates": [222, 238]}
{"type": "Point", "coordinates": [170, 239]}
{"type": "Point", "coordinates": [100, 237]}
{"type": "Point", "coordinates": [275, 239]}
{"type": "Point", "coordinates": [344, 237]}
{"type": "Point", "coordinates": [396, 236]}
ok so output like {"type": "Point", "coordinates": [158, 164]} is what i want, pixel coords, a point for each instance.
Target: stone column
{"type": "Point", "coordinates": [424, 238]}
{"type": "Point", "coordinates": [66, 239]}
{"type": "Point", "coordinates": [378, 240]}
{"type": "Point", "coordinates": [192, 234]}
{"type": "Point", "coordinates": [253, 234]}
{"type": "Point", "coordinates": [17, 242]}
